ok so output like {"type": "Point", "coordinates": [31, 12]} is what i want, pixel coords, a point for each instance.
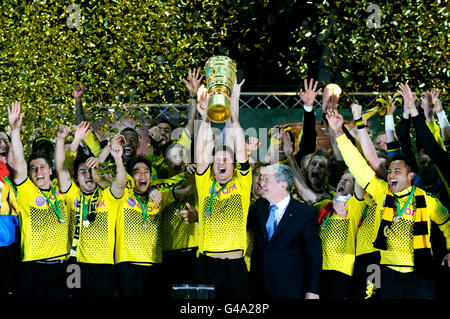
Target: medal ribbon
{"type": "Point", "coordinates": [214, 194]}
{"type": "Point", "coordinates": [400, 211]}
{"type": "Point", "coordinates": [55, 206]}
{"type": "Point", "coordinates": [143, 206]}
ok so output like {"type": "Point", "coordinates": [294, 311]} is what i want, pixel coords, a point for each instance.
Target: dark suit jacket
{"type": "Point", "coordinates": [289, 265]}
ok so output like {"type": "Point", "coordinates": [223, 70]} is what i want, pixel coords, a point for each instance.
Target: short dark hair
{"type": "Point", "coordinates": [34, 156]}
{"type": "Point", "coordinates": [42, 142]}
{"type": "Point", "coordinates": [79, 159]}
{"type": "Point", "coordinates": [156, 121]}
{"type": "Point", "coordinates": [225, 148]}
{"type": "Point", "coordinates": [130, 129]}
{"type": "Point", "coordinates": [400, 157]}
{"type": "Point", "coordinates": [136, 160]}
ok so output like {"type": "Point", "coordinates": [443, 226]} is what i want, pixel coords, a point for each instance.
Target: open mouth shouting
{"type": "Point", "coordinates": [128, 151]}
{"type": "Point", "coordinates": [393, 183]}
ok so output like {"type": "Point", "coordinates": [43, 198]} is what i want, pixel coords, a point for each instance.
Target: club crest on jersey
{"type": "Point", "coordinates": [131, 202]}
{"type": "Point", "coordinates": [40, 201]}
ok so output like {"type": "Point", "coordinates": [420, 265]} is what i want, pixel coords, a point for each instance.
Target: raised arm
{"type": "Point", "coordinates": [15, 124]}
{"type": "Point", "coordinates": [308, 140]}
{"type": "Point", "coordinates": [204, 140]}
{"type": "Point", "coordinates": [237, 131]}
{"type": "Point", "coordinates": [119, 184]}
{"type": "Point", "coordinates": [78, 92]}
{"type": "Point", "coordinates": [62, 173]}
{"type": "Point", "coordinates": [366, 143]}
{"type": "Point", "coordinates": [192, 84]}
{"type": "Point", "coordinates": [356, 163]}
{"type": "Point", "coordinates": [308, 195]}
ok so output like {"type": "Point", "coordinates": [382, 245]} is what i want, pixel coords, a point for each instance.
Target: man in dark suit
{"type": "Point", "coordinates": [287, 253]}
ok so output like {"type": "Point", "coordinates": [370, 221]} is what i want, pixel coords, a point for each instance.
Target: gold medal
{"type": "Point", "coordinates": [144, 224]}
{"type": "Point", "coordinates": [396, 219]}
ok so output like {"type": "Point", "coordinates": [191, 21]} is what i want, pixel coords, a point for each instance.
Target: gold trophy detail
{"type": "Point", "coordinates": [220, 73]}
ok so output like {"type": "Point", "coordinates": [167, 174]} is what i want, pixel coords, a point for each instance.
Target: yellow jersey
{"type": "Point", "coordinates": [138, 241]}
{"type": "Point", "coordinates": [43, 235]}
{"type": "Point", "coordinates": [224, 229]}
{"type": "Point", "coordinates": [175, 233]}
{"type": "Point", "coordinates": [93, 243]}
{"type": "Point", "coordinates": [338, 236]}
{"type": "Point", "coordinates": [367, 231]}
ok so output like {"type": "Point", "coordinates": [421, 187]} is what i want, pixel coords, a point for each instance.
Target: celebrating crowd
{"type": "Point", "coordinates": [83, 218]}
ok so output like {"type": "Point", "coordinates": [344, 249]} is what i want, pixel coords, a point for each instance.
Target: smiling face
{"type": "Point", "coordinates": [399, 178]}
{"type": "Point", "coordinates": [142, 176]}
{"type": "Point", "coordinates": [85, 180]}
{"type": "Point", "coordinates": [223, 166]}
{"type": "Point", "coordinates": [40, 173]}
{"type": "Point", "coordinates": [346, 185]}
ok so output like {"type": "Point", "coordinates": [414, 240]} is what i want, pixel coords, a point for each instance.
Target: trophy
{"type": "Point", "coordinates": [220, 73]}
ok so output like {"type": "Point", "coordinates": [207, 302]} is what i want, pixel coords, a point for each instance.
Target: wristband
{"type": "Point", "coordinates": [389, 123]}
{"type": "Point", "coordinates": [308, 108]}
{"type": "Point", "coordinates": [443, 121]}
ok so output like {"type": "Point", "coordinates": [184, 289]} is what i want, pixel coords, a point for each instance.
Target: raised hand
{"type": "Point", "coordinates": [116, 151]}
{"type": "Point", "coordinates": [155, 196]}
{"type": "Point", "coordinates": [119, 139]}
{"type": "Point", "coordinates": [82, 131]}
{"type": "Point", "coordinates": [286, 143]}
{"type": "Point", "coordinates": [92, 162]}
{"type": "Point", "coordinates": [356, 111]}
{"type": "Point", "coordinates": [391, 106]}
{"type": "Point", "coordinates": [335, 121]}
{"type": "Point", "coordinates": [78, 92]}
{"type": "Point", "coordinates": [155, 133]}
{"type": "Point", "coordinates": [309, 95]}
{"type": "Point", "coordinates": [62, 132]}
{"type": "Point", "coordinates": [14, 116]}
{"type": "Point", "coordinates": [193, 82]}
{"type": "Point", "coordinates": [409, 99]}
{"type": "Point", "coordinates": [235, 99]}
{"type": "Point", "coordinates": [252, 144]}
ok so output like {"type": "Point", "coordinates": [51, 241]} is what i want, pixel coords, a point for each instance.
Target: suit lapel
{"type": "Point", "coordinates": [286, 219]}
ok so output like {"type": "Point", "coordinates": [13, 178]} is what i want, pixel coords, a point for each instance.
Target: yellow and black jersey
{"type": "Point", "coordinates": [93, 239]}
{"type": "Point", "coordinates": [137, 235]}
{"type": "Point", "coordinates": [223, 228]}
{"type": "Point", "coordinates": [43, 235]}
{"type": "Point", "coordinates": [175, 233]}
{"type": "Point", "coordinates": [338, 236]}
{"type": "Point", "coordinates": [368, 229]}
{"type": "Point", "coordinates": [400, 238]}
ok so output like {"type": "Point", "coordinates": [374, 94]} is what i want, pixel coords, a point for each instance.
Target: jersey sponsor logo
{"type": "Point", "coordinates": [40, 201]}
{"type": "Point", "coordinates": [409, 211]}
{"type": "Point", "coordinates": [226, 190]}
{"type": "Point", "coordinates": [100, 204]}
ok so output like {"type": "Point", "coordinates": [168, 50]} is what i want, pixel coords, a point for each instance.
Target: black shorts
{"type": "Point", "coordinates": [178, 268]}
{"type": "Point", "coordinates": [139, 280]}
{"type": "Point", "coordinates": [41, 280]}
{"type": "Point", "coordinates": [229, 276]}
{"type": "Point", "coordinates": [9, 269]}
{"type": "Point", "coordinates": [97, 281]}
